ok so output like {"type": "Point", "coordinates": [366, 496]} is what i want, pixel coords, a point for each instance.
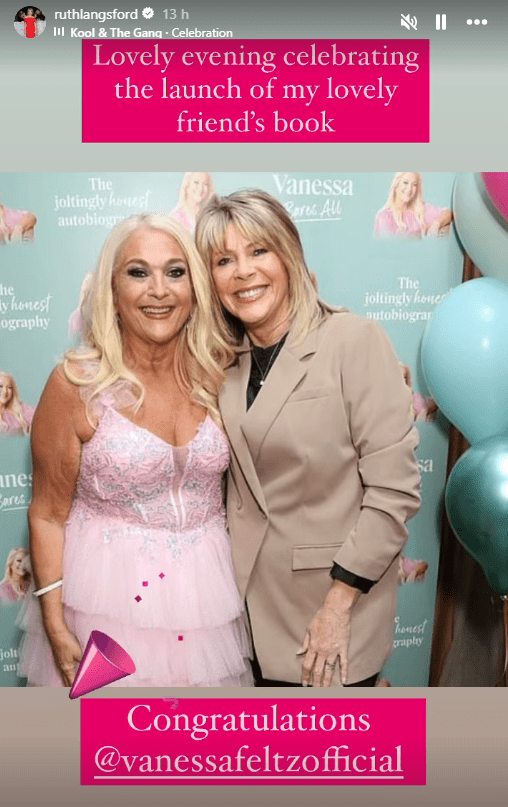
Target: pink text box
{"type": "Point", "coordinates": [199, 741]}
{"type": "Point", "coordinates": [244, 91]}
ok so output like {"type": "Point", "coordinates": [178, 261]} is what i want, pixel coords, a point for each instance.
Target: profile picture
{"type": "Point", "coordinates": [16, 225]}
{"type": "Point", "coordinates": [17, 576]}
{"type": "Point", "coordinates": [29, 22]}
{"type": "Point", "coordinates": [406, 214]}
{"type": "Point", "coordinates": [15, 416]}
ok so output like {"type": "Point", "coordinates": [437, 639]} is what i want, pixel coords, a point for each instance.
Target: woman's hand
{"type": "Point", "coordinates": [5, 233]}
{"type": "Point", "coordinates": [66, 652]}
{"type": "Point", "coordinates": [433, 228]}
{"type": "Point", "coordinates": [16, 233]}
{"type": "Point", "coordinates": [327, 639]}
{"type": "Point", "coordinates": [441, 225]}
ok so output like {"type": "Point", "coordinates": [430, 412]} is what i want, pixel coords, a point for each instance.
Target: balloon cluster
{"type": "Point", "coordinates": [465, 364]}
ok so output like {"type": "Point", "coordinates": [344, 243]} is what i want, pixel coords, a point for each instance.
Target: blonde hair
{"type": "Point", "coordinates": [14, 405]}
{"type": "Point", "coordinates": [184, 187]}
{"type": "Point", "coordinates": [201, 352]}
{"type": "Point", "coordinates": [260, 217]}
{"type": "Point", "coordinates": [16, 582]}
{"type": "Point", "coordinates": [416, 205]}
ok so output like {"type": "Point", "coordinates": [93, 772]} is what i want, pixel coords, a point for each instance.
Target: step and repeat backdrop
{"type": "Point", "coordinates": [366, 253]}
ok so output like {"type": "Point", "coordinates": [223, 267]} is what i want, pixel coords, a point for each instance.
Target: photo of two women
{"type": "Point", "coordinates": [223, 466]}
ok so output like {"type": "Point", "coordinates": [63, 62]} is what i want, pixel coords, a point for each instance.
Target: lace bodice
{"type": "Point", "coordinates": [127, 473]}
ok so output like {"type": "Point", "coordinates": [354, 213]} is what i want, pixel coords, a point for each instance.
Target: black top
{"type": "Point", "coordinates": [262, 361]}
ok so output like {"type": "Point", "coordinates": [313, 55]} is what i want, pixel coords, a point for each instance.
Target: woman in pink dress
{"type": "Point", "coordinates": [406, 215]}
{"type": "Point", "coordinates": [16, 578]}
{"type": "Point", "coordinates": [127, 526]}
{"type": "Point", "coordinates": [15, 416]}
{"type": "Point", "coordinates": [196, 189]}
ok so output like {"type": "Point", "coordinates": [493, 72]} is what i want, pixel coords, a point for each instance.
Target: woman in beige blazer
{"type": "Point", "coordinates": [323, 474]}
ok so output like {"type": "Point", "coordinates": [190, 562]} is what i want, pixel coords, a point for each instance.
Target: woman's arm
{"type": "Point", "coordinates": [441, 223]}
{"type": "Point", "coordinates": [381, 426]}
{"type": "Point", "coordinates": [445, 219]}
{"type": "Point", "coordinates": [56, 452]}
{"type": "Point", "coordinates": [383, 433]}
{"type": "Point", "coordinates": [24, 226]}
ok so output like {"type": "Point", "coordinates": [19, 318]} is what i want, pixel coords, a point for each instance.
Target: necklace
{"type": "Point", "coordinates": [272, 356]}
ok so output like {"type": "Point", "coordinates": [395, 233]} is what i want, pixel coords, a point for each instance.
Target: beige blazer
{"type": "Point", "coordinates": [322, 469]}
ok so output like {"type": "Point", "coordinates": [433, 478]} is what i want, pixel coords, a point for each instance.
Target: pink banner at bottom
{"type": "Point", "coordinates": [242, 741]}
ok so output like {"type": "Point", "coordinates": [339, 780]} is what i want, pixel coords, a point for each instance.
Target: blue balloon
{"type": "Point", "coordinates": [465, 357]}
{"type": "Point", "coordinates": [476, 501]}
{"type": "Point", "coordinates": [483, 232]}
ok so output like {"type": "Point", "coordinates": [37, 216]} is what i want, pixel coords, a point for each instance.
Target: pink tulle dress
{"type": "Point", "coordinates": [147, 560]}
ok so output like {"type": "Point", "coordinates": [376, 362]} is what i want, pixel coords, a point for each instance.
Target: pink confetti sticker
{"type": "Point", "coordinates": [172, 701]}
{"type": "Point", "coordinates": [138, 598]}
{"type": "Point", "coordinates": [145, 582]}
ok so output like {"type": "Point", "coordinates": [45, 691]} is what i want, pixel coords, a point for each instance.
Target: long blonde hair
{"type": "Point", "coordinates": [16, 582]}
{"type": "Point", "coordinates": [14, 405]}
{"type": "Point", "coordinates": [201, 352]}
{"type": "Point", "coordinates": [260, 217]}
{"type": "Point", "coordinates": [416, 205]}
{"type": "Point", "coordinates": [184, 187]}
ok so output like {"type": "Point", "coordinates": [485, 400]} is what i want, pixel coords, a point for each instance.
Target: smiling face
{"type": "Point", "coordinates": [17, 569]}
{"type": "Point", "coordinates": [198, 188]}
{"type": "Point", "coordinates": [253, 285]}
{"type": "Point", "coordinates": [152, 288]}
{"type": "Point", "coordinates": [407, 189]}
{"type": "Point", "coordinates": [5, 390]}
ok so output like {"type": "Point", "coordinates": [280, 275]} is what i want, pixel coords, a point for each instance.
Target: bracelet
{"type": "Point", "coordinates": [45, 590]}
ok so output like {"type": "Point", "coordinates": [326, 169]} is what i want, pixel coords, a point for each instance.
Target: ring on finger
{"type": "Point", "coordinates": [330, 665]}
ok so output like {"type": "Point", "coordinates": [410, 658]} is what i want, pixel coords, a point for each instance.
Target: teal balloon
{"type": "Point", "coordinates": [476, 501]}
{"type": "Point", "coordinates": [465, 357]}
{"type": "Point", "coordinates": [482, 230]}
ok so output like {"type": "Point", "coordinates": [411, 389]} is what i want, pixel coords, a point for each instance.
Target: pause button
{"type": "Point", "coordinates": [440, 22]}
